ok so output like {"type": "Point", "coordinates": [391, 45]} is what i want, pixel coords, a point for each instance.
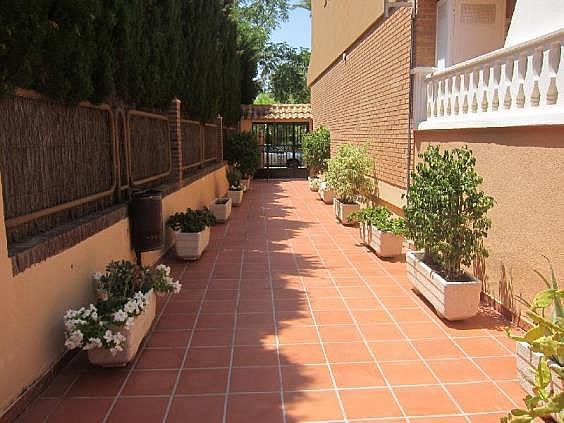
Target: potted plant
{"type": "Point", "coordinates": [192, 232]}
{"type": "Point", "coordinates": [348, 174]}
{"type": "Point", "coordinates": [221, 208]}
{"type": "Point", "coordinates": [314, 184]}
{"type": "Point", "coordinates": [326, 192]}
{"type": "Point", "coordinates": [540, 354]}
{"type": "Point", "coordinates": [235, 192]}
{"type": "Point", "coordinates": [380, 231]}
{"type": "Point", "coordinates": [446, 217]}
{"type": "Point", "coordinates": [112, 329]}
{"type": "Point", "coordinates": [243, 152]}
{"type": "Point", "coordinates": [316, 150]}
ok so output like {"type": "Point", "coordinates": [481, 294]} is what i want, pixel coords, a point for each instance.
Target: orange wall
{"type": "Point", "coordinates": [336, 24]}
{"type": "Point", "coordinates": [33, 302]}
{"type": "Point", "coordinates": [523, 169]}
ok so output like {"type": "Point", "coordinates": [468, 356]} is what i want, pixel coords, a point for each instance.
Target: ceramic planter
{"type": "Point", "coordinates": [326, 194]}
{"type": "Point", "coordinates": [133, 337]}
{"type": "Point", "coordinates": [236, 196]}
{"type": "Point", "coordinates": [190, 246]}
{"type": "Point", "coordinates": [246, 184]}
{"type": "Point", "coordinates": [343, 211]}
{"type": "Point", "coordinates": [452, 300]}
{"type": "Point", "coordinates": [384, 244]}
{"type": "Point", "coordinates": [527, 363]}
{"type": "Point", "coordinates": [221, 208]}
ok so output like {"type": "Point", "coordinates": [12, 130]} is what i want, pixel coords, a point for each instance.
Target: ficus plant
{"type": "Point", "coordinates": [547, 338]}
{"type": "Point", "coordinates": [242, 151]}
{"type": "Point", "coordinates": [316, 149]}
{"type": "Point", "coordinates": [350, 173]}
{"type": "Point", "coordinates": [446, 211]}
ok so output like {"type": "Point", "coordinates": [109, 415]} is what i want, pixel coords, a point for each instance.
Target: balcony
{"type": "Point", "coordinates": [515, 86]}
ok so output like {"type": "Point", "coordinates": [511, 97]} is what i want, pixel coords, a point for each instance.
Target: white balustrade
{"type": "Point", "coordinates": [519, 85]}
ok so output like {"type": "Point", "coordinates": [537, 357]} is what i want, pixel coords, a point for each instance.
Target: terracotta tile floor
{"type": "Point", "coordinates": [286, 318]}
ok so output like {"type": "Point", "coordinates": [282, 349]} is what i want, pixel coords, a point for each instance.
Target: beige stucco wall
{"type": "Point", "coordinates": [523, 170]}
{"type": "Point", "coordinates": [33, 302]}
{"type": "Point", "coordinates": [332, 32]}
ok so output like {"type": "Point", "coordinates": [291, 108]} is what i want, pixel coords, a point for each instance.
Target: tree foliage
{"type": "Point", "coordinates": [446, 212]}
{"type": "Point", "coordinates": [316, 149]}
{"type": "Point", "coordinates": [139, 52]}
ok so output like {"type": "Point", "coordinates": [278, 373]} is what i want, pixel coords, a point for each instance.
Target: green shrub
{"type": "Point", "coordinates": [191, 221]}
{"type": "Point", "coordinates": [381, 218]}
{"type": "Point", "coordinates": [348, 173]}
{"type": "Point", "coordinates": [316, 149]}
{"type": "Point", "coordinates": [242, 151]}
{"type": "Point", "coordinates": [446, 213]}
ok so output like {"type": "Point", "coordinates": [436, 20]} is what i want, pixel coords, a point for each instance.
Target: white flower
{"type": "Point", "coordinates": [129, 322]}
{"type": "Point", "coordinates": [93, 343]}
{"type": "Point", "coordinates": [74, 340]}
{"type": "Point", "coordinates": [97, 276]}
{"type": "Point", "coordinates": [120, 316]}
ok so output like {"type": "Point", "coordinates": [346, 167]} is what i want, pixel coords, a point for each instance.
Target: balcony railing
{"type": "Point", "coordinates": [520, 85]}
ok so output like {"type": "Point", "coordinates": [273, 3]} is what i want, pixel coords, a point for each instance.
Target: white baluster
{"type": "Point", "coordinates": [536, 70]}
{"type": "Point", "coordinates": [554, 54]}
{"type": "Point", "coordinates": [522, 70]}
{"type": "Point", "coordinates": [508, 82]}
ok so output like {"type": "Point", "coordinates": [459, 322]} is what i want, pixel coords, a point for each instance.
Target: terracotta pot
{"type": "Point", "coordinates": [221, 208]}
{"type": "Point", "coordinates": [343, 211]}
{"type": "Point", "coordinates": [190, 246]}
{"type": "Point", "coordinates": [384, 244]}
{"type": "Point", "coordinates": [133, 337]}
{"type": "Point", "coordinates": [246, 184]}
{"type": "Point", "coordinates": [452, 300]}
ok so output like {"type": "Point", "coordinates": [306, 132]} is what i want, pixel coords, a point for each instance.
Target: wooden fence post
{"type": "Point", "coordinates": [175, 132]}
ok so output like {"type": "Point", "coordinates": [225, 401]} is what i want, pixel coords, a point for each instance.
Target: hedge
{"type": "Point", "coordinates": [136, 52]}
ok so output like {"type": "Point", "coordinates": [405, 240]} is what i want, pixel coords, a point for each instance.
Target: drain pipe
{"type": "Point", "coordinates": [411, 80]}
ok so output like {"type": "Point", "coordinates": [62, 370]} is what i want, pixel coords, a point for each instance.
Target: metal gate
{"type": "Point", "coordinates": [281, 149]}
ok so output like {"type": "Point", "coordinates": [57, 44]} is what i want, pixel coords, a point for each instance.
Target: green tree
{"type": "Point", "coordinates": [264, 98]}
{"type": "Point", "coordinates": [288, 81]}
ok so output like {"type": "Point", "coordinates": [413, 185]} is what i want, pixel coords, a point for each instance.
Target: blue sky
{"type": "Point", "coordinates": [296, 31]}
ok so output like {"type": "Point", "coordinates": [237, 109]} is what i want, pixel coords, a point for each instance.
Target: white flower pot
{"type": "Point", "coordinates": [246, 184]}
{"type": "Point", "coordinates": [236, 196]}
{"type": "Point", "coordinates": [190, 246]}
{"type": "Point", "coordinates": [133, 337]}
{"type": "Point", "coordinates": [326, 194]}
{"type": "Point", "coordinates": [221, 208]}
{"type": "Point", "coordinates": [384, 244]}
{"type": "Point", "coordinates": [452, 300]}
{"type": "Point", "coordinates": [527, 363]}
{"type": "Point", "coordinates": [343, 211]}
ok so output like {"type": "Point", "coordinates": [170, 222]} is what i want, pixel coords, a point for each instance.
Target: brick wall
{"type": "Point", "coordinates": [365, 99]}
{"type": "Point", "coordinates": [425, 32]}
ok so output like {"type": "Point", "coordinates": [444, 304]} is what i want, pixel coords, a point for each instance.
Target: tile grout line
{"type": "Point", "coordinates": [452, 339]}
{"type": "Point", "coordinates": [364, 340]}
{"type": "Point", "coordinates": [275, 320]}
{"type": "Point", "coordinates": [233, 337]}
{"type": "Point", "coordinates": [194, 326]}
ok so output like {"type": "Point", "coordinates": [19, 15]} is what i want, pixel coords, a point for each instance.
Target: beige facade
{"type": "Point", "coordinates": [33, 302]}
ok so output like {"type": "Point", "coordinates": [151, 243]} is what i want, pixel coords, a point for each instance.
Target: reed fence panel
{"type": "Point", "coordinates": [191, 146]}
{"type": "Point", "coordinates": [149, 147]}
{"type": "Point", "coordinates": [211, 139]}
{"type": "Point", "coordinates": [52, 156]}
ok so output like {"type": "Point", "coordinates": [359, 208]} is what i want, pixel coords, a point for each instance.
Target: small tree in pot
{"type": "Point", "coordinates": [242, 151]}
{"type": "Point", "coordinates": [446, 217]}
{"type": "Point", "coordinates": [235, 192]}
{"type": "Point", "coordinates": [348, 173]}
{"type": "Point", "coordinates": [316, 150]}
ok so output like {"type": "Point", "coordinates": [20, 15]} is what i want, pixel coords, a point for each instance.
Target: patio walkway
{"type": "Point", "coordinates": [286, 318]}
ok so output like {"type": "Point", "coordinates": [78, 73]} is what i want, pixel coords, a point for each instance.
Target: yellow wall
{"type": "Point", "coordinates": [523, 170]}
{"type": "Point", "coordinates": [332, 32]}
{"type": "Point", "coordinates": [33, 302]}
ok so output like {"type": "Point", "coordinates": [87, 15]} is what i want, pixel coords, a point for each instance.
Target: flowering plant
{"type": "Point", "coordinates": [123, 293]}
